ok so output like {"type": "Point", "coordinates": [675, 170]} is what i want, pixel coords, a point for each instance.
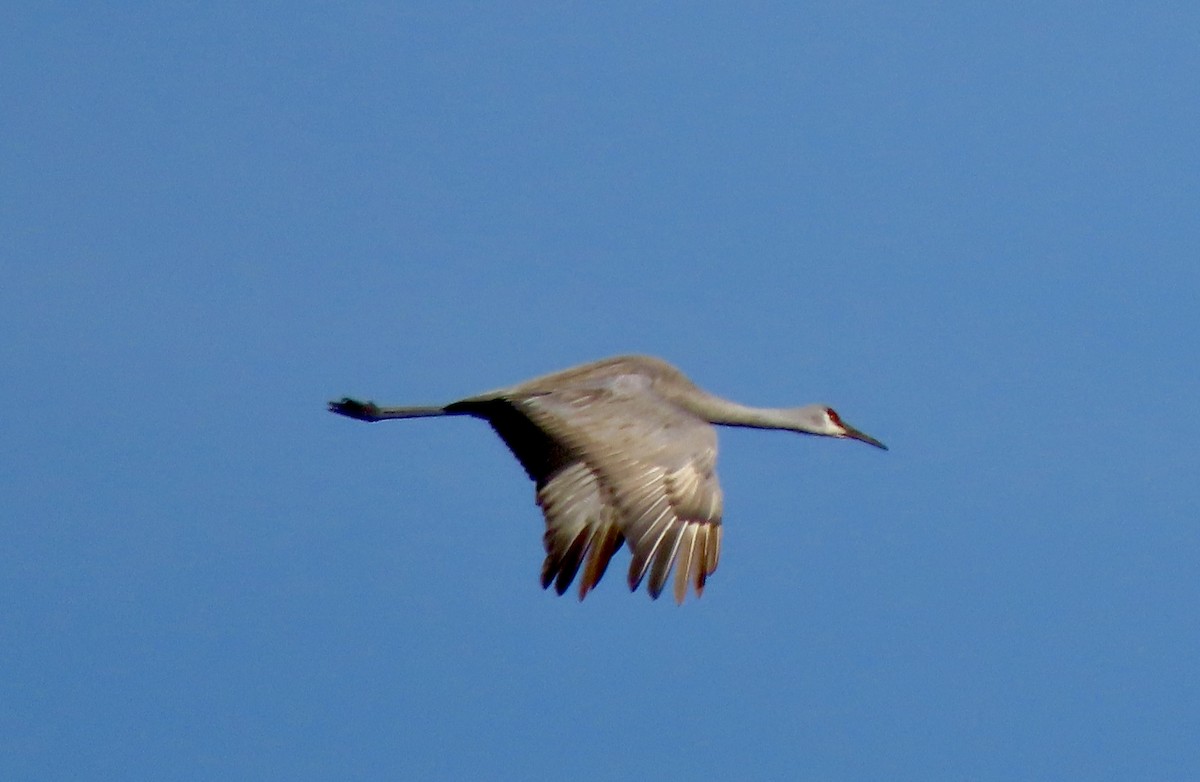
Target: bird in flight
{"type": "Point", "coordinates": [622, 450]}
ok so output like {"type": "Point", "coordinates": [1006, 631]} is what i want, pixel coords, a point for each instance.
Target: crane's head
{"type": "Point", "coordinates": [825, 421]}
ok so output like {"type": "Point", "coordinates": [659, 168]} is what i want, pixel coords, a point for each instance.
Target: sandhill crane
{"type": "Point", "coordinates": [621, 450]}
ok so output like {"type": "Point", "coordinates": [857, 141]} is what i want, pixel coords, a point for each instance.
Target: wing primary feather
{"type": "Point", "coordinates": [700, 559]}
{"type": "Point", "coordinates": [713, 549]}
{"type": "Point", "coordinates": [605, 542]}
{"type": "Point", "coordinates": [685, 561]}
{"type": "Point", "coordinates": [568, 563]}
{"type": "Point", "coordinates": [643, 552]}
{"type": "Point", "coordinates": [663, 558]}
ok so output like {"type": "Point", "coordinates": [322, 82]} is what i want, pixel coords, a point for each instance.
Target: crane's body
{"type": "Point", "coordinates": [621, 450]}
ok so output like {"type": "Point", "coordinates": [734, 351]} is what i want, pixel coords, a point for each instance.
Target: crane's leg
{"type": "Point", "coordinates": [369, 411]}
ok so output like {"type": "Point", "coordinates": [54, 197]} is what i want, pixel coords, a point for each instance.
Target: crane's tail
{"type": "Point", "coordinates": [369, 411]}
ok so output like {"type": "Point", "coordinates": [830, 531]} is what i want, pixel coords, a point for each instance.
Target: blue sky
{"type": "Point", "coordinates": [972, 228]}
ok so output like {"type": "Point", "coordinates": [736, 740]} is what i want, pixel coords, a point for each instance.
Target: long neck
{"type": "Point", "coordinates": [716, 410]}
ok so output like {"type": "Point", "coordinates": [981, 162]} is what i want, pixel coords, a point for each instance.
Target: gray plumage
{"type": "Point", "coordinates": [621, 450]}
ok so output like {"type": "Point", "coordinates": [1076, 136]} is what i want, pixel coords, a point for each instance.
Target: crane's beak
{"type": "Point", "coordinates": [854, 434]}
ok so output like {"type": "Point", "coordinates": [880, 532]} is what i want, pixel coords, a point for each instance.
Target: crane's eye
{"type": "Point", "coordinates": [833, 416]}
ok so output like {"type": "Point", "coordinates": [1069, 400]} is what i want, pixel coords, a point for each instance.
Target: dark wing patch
{"type": "Point", "coordinates": [540, 454]}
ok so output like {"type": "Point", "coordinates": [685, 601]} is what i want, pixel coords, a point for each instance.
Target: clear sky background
{"type": "Point", "coordinates": [972, 228]}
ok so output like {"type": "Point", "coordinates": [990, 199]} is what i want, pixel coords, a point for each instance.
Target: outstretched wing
{"type": "Point", "coordinates": [616, 462]}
